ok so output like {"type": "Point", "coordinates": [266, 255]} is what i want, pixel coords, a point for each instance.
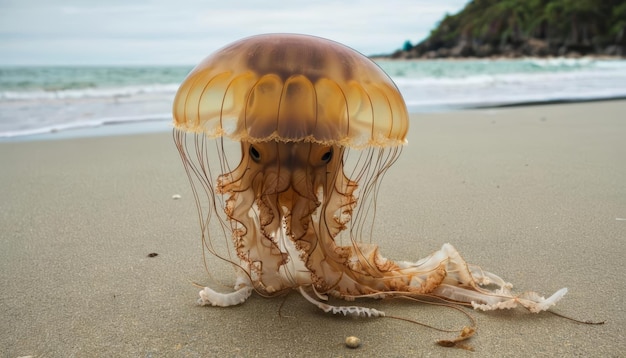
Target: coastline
{"type": "Point", "coordinates": [533, 193]}
{"type": "Point", "coordinates": [390, 57]}
{"type": "Point", "coordinates": [158, 125]}
{"type": "Point", "coordinates": [31, 108]}
{"type": "Point", "coordinates": [550, 102]}
{"type": "Point", "coordinates": [103, 130]}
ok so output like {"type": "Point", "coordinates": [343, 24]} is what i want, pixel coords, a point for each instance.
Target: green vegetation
{"type": "Point", "coordinates": [528, 28]}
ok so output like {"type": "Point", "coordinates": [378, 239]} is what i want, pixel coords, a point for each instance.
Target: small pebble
{"type": "Point", "coordinates": [176, 196]}
{"type": "Point", "coordinates": [353, 342]}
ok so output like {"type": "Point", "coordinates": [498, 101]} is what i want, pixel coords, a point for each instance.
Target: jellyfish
{"type": "Point", "coordinates": [285, 139]}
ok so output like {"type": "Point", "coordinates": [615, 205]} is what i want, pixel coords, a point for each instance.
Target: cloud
{"type": "Point", "coordinates": [184, 31]}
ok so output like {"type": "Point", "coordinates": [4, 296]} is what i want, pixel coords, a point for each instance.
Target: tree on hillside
{"type": "Point", "coordinates": [580, 25]}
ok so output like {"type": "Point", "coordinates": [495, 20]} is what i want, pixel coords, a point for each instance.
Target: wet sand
{"type": "Point", "coordinates": [534, 194]}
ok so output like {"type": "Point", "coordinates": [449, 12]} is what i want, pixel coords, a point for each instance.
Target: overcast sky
{"type": "Point", "coordinates": [40, 32]}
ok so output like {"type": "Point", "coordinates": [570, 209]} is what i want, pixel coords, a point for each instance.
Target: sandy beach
{"type": "Point", "coordinates": [535, 194]}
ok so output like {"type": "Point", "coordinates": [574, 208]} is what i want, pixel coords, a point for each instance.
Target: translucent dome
{"type": "Point", "coordinates": [288, 88]}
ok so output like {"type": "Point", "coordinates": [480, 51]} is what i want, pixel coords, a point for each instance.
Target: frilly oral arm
{"type": "Point", "coordinates": [243, 290]}
{"type": "Point", "coordinates": [356, 311]}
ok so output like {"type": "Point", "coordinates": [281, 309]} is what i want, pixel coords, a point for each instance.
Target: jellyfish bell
{"type": "Point", "coordinates": [317, 125]}
{"type": "Point", "coordinates": [292, 88]}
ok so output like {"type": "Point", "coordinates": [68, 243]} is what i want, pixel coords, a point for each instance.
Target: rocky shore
{"type": "Point", "coordinates": [531, 47]}
{"type": "Point", "coordinates": [535, 28]}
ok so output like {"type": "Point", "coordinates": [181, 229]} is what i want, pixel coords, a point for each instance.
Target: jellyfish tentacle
{"type": "Point", "coordinates": [324, 259]}
{"type": "Point", "coordinates": [443, 274]}
{"type": "Point", "coordinates": [287, 211]}
{"type": "Point", "coordinates": [341, 203]}
{"type": "Point", "coordinates": [465, 283]}
{"type": "Point", "coordinates": [356, 311]}
{"type": "Point", "coordinates": [243, 290]}
{"type": "Point", "coordinates": [484, 278]}
{"type": "Point", "coordinates": [532, 301]}
{"type": "Point", "coordinates": [255, 220]}
{"type": "Point", "coordinates": [368, 273]}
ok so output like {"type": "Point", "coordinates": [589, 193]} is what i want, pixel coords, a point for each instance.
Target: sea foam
{"type": "Point", "coordinates": [50, 99]}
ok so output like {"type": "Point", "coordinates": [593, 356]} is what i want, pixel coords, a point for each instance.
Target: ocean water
{"type": "Point", "coordinates": [39, 100]}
